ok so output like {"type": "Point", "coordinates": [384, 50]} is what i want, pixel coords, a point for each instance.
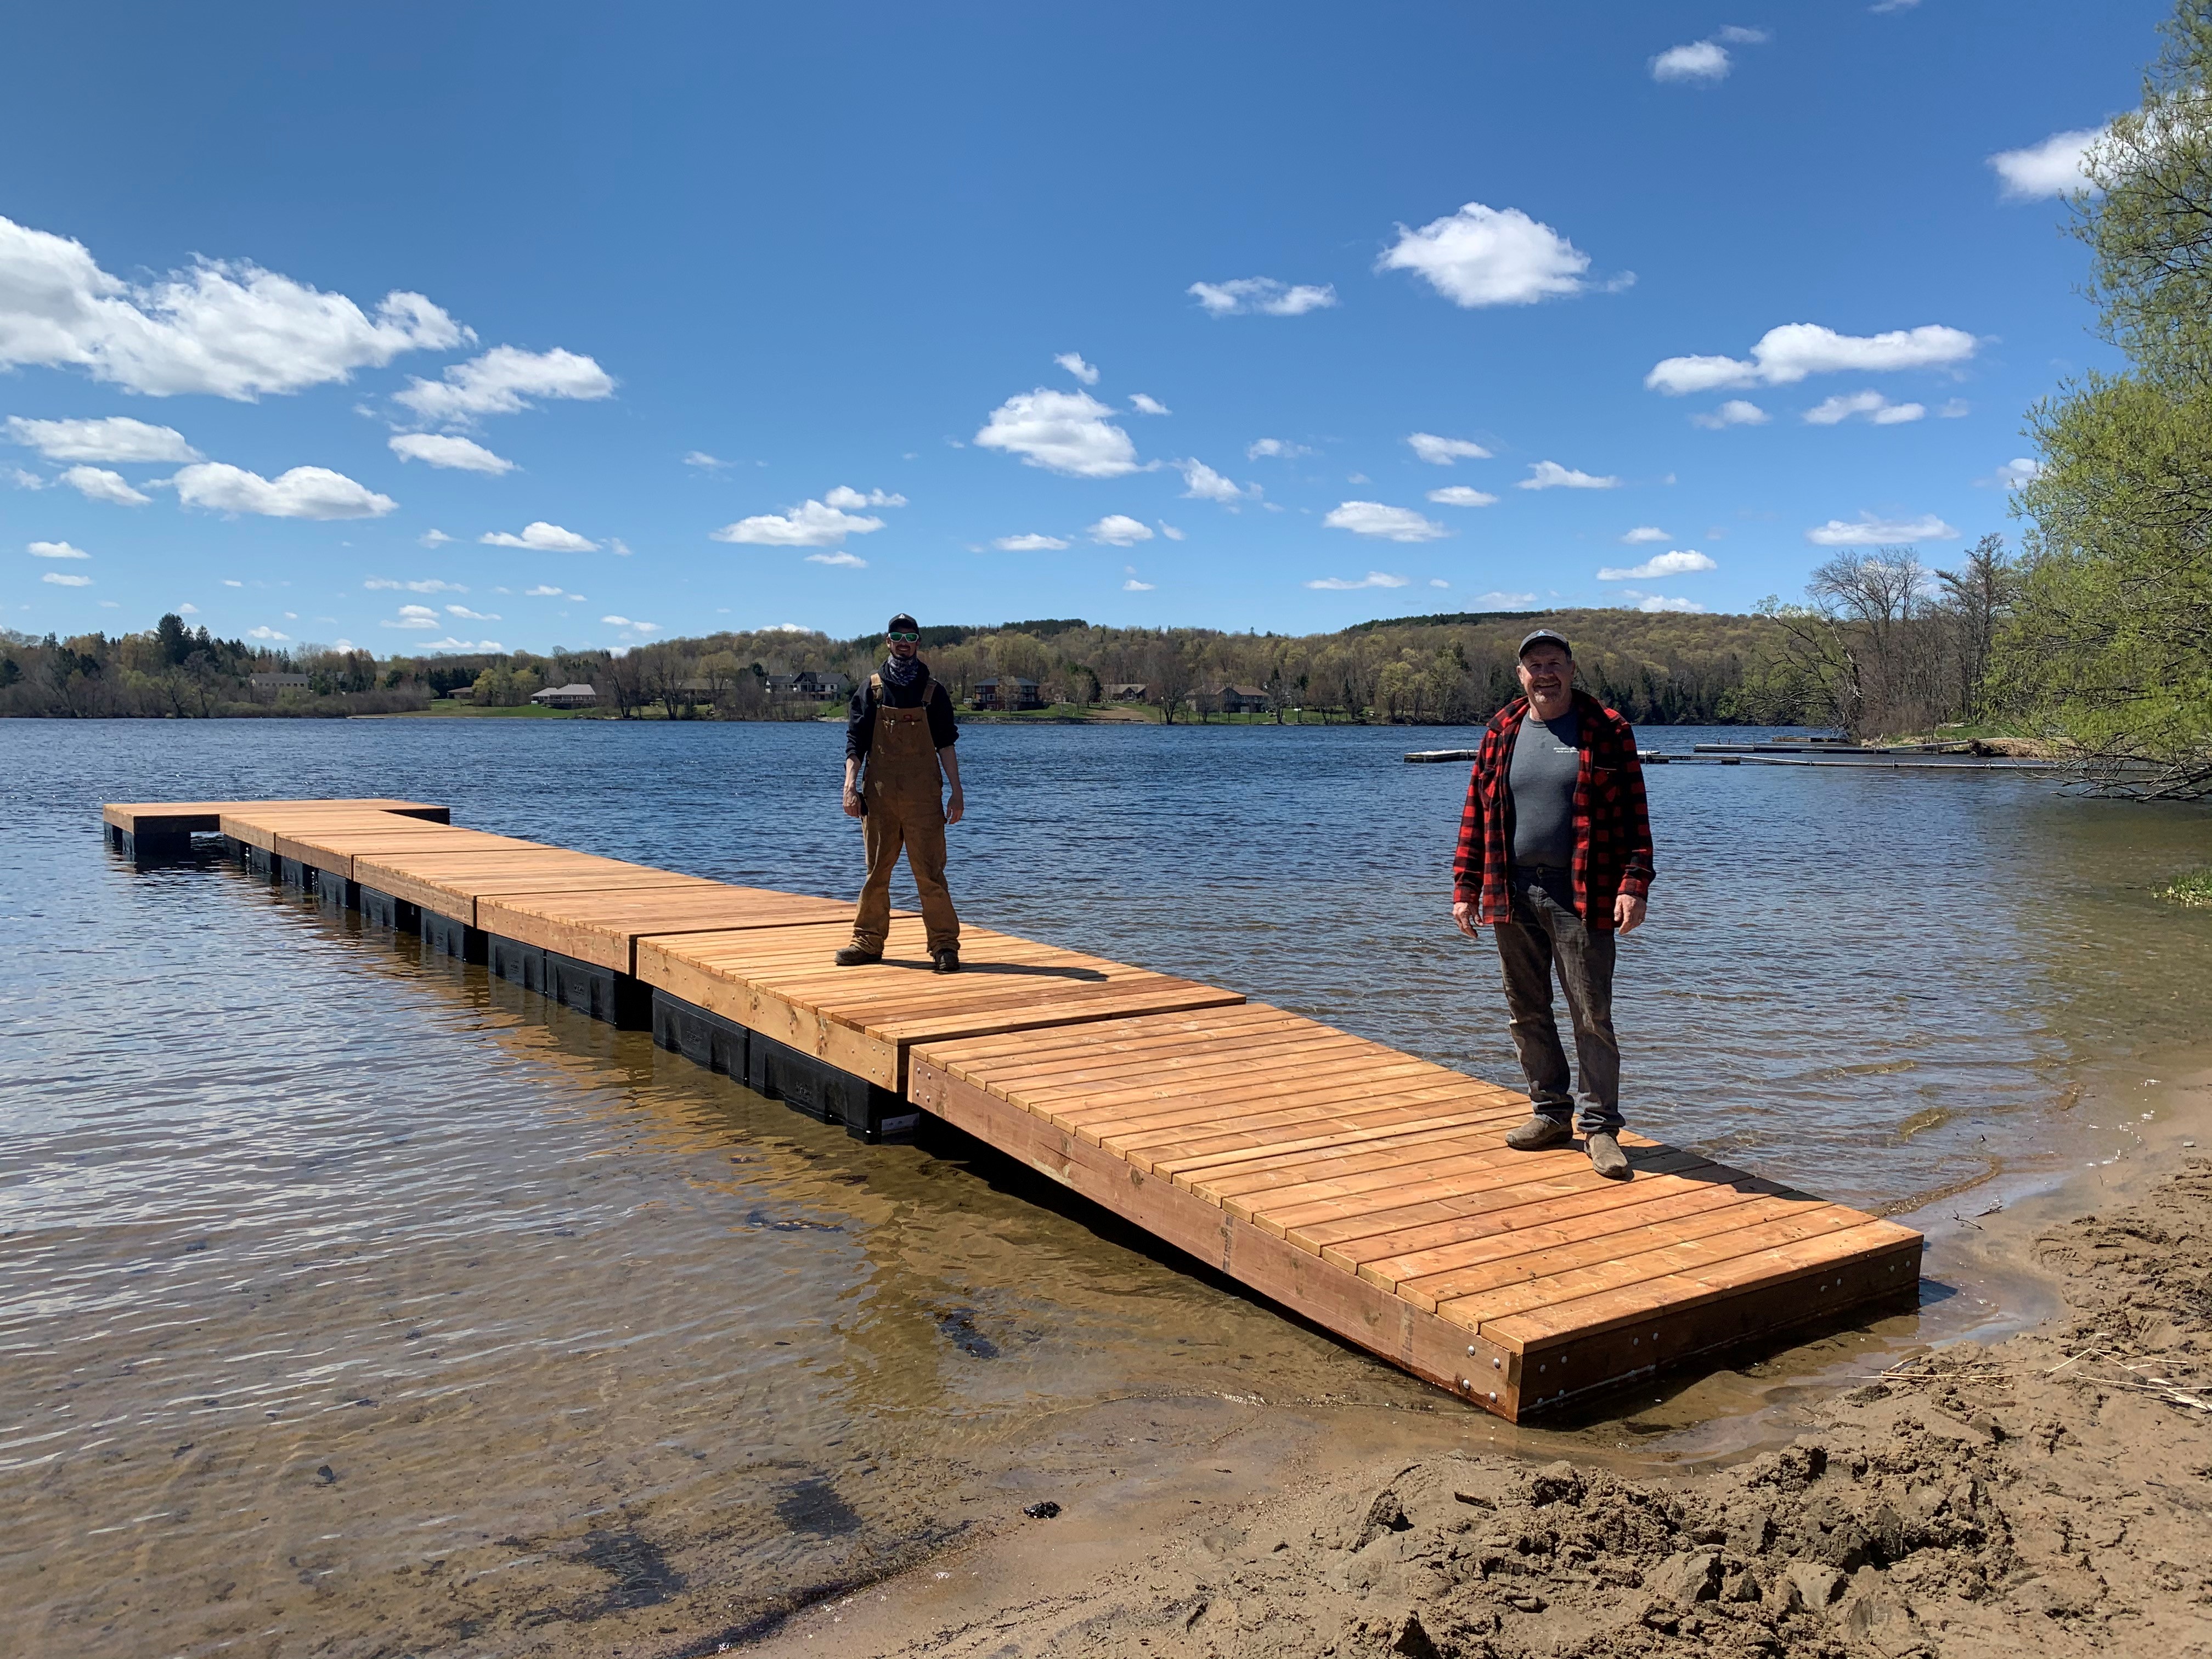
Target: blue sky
{"type": "Point", "coordinates": [737, 316]}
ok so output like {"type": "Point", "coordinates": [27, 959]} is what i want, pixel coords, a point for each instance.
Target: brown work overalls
{"type": "Point", "coordinates": [904, 790]}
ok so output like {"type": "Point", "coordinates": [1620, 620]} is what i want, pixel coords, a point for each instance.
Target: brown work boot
{"type": "Point", "coordinates": [1538, 1133]}
{"type": "Point", "coordinates": [1607, 1158]}
{"type": "Point", "coordinates": [855, 956]}
{"type": "Point", "coordinates": [945, 962]}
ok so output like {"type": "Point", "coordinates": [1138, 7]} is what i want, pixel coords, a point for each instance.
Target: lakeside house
{"type": "Point", "coordinates": [273, 682]}
{"type": "Point", "coordinates": [1240, 700]}
{"type": "Point", "coordinates": [566, 696]}
{"type": "Point", "coordinates": [810, 685]}
{"type": "Point", "coordinates": [1131, 691]}
{"type": "Point", "coordinates": [1011, 692]}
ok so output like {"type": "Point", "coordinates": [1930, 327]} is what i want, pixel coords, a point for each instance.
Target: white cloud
{"type": "Point", "coordinates": [616, 544]}
{"type": "Point", "coordinates": [544, 591]}
{"type": "Point", "coordinates": [1680, 563]}
{"type": "Point", "coordinates": [97, 483]}
{"type": "Point", "coordinates": [1372, 579]}
{"type": "Point", "coordinates": [2014, 473]}
{"type": "Point", "coordinates": [1661, 601]}
{"type": "Point", "coordinates": [1870, 531]}
{"type": "Point", "coordinates": [1736, 411]}
{"type": "Point", "coordinates": [1876, 408]}
{"type": "Point", "coordinates": [1461, 495]}
{"type": "Point", "coordinates": [1788, 353]}
{"type": "Point", "coordinates": [2052, 167]}
{"type": "Point", "coordinates": [57, 550]}
{"type": "Point", "coordinates": [467, 615]}
{"type": "Point", "coordinates": [23, 480]}
{"type": "Point", "coordinates": [188, 610]}
{"type": "Point", "coordinates": [845, 561]}
{"type": "Point", "coordinates": [118, 438]}
{"type": "Point", "coordinates": [1032, 543]}
{"type": "Point", "coordinates": [634, 626]}
{"type": "Point", "coordinates": [1645, 532]}
{"type": "Point", "coordinates": [1703, 63]}
{"type": "Point", "coordinates": [231, 581]}
{"type": "Point", "coordinates": [1438, 581]}
{"type": "Point", "coordinates": [60, 580]}
{"type": "Point", "coordinates": [1203, 483]}
{"type": "Point", "coordinates": [503, 380]}
{"type": "Point", "coordinates": [1443, 452]}
{"type": "Point", "coordinates": [540, 536]}
{"type": "Point", "coordinates": [1483, 256]}
{"type": "Point", "coordinates": [1882, 6]}
{"type": "Point", "coordinates": [1261, 296]}
{"type": "Point", "coordinates": [1132, 585]}
{"type": "Point", "coordinates": [1145, 404]}
{"type": "Point", "coordinates": [434, 538]}
{"type": "Point", "coordinates": [701, 458]}
{"type": "Point", "coordinates": [227, 328]}
{"type": "Point", "coordinates": [1953, 409]}
{"type": "Point", "coordinates": [449, 643]}
{"type": "Point", "coordinates": [1498, 601]}
{"type": "Point", "coordinates": [848, 499]}
{"type": "Point", "coordinates": [812, 524]}
{"type": "Point", "coordinates": [1064, 432]}
{"type": "Point", "coordinates": [1074, 363]}
{"type": "Point", "coordinates": [1281, 448]}
{"type": "Point", "coordinates": [1119, 530]}
{"type": "Point", "coordinates": [1170, 531]}
{"type": "Point", "coordinates": [1396, 524]}
{"type": "Point", "coordinates": [305, 492]}
{"type": "Point", "coordinates": [414, 615]}
{"type": "Point", "coordinates": [457, 454]}
{"type": "Point", "coordinates": [1549, 475]}
{"type": "Point", "coordinates": [265, 632]}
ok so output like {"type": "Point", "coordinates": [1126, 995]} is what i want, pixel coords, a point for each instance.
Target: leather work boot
{"type": "Point", "coordinates": [945, 962]}
{"type": "Point", "coordinates": [1538, 1133]}
{"type": "Point", "coordinates": [853, 957]}
{"type": "Point", "coordinates": [1607, 1158]}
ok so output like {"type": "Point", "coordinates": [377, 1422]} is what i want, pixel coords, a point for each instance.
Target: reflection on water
{"type": "Point", "coordinates": [362, 1305]}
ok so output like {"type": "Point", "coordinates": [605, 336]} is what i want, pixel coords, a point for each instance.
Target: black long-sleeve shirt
{"type": "Point", "coordinates": [860, 717]}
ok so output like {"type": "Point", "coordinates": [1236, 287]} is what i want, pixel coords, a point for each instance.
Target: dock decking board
{"type": "Point", "coordinates": [1368, 1189]}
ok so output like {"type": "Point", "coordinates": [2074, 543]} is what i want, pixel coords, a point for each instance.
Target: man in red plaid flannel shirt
{"type": "Point", "coordinates": [1555, 855]}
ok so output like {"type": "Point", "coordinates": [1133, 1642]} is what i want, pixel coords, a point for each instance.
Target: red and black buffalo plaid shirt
{"type": "Point", "coordinates": [1612, 828]}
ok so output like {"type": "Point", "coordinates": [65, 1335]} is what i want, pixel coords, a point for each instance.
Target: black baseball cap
{"type": "Point", "coordinates": [1546, 636]}
{"type": "Point", "coordinates": [901, 624]}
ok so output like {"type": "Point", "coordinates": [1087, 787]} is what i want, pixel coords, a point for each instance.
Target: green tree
{"type": "Point", "coordinates": [2109, 649]}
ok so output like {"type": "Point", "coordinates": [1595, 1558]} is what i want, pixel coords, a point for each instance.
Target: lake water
{"type": "Point", "coordinates": [354, 1304]}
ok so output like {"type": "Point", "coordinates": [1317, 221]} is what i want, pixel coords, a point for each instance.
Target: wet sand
{"type": "Point", "coordinates": [2037, 1488]}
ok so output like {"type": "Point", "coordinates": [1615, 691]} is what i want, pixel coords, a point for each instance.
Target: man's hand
{"type": "Point", "coordinates": [955, 803]}
{"type": "Point", "coordinates": [1627, 913]}
{"type": "Point", "coordinates": [1465, 913]}
{"type": "Point", "coordinates": [854, 808]}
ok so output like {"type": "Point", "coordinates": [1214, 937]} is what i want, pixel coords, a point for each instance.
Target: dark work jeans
{"type": "Point", "coordinates": [1546, 936]}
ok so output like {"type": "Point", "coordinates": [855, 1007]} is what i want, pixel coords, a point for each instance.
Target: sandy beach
{"type": "Point", "coordinates": [2045, 1491]}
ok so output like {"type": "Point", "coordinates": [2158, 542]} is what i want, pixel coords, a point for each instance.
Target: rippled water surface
{"type": "Point", "coordinates": [352, 1304]}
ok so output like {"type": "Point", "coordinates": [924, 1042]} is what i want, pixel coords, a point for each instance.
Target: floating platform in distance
{"type": "Point", "coordinates": [1828, 758]}
{"type": "Point", "coordinates": [1366, 1189]}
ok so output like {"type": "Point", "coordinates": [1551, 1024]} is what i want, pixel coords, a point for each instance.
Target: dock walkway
{"type": "Point", "coordinates": [1366, 1189]}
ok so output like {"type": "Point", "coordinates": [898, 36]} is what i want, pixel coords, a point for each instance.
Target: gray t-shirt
{"type": "Point", "coordinates": [1546, 761]}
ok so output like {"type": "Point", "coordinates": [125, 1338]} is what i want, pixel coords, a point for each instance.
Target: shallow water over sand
{"type": "Point", "coordinates": [353, 1305]}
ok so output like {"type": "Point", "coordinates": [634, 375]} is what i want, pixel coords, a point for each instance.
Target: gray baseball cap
{"type": "Point", "coordinates": [1546, 636]}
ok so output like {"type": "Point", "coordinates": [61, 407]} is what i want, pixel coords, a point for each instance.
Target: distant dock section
{"type": "Point", "coordinates": [1366, 1190]}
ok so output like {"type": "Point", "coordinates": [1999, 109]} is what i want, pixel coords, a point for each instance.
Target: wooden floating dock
{"type": "Point", "coordinates": [1368, 1190]}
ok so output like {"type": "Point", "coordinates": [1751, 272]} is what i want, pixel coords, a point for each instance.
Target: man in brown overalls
{"type": "Point", "coordinates": [901, 724]}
